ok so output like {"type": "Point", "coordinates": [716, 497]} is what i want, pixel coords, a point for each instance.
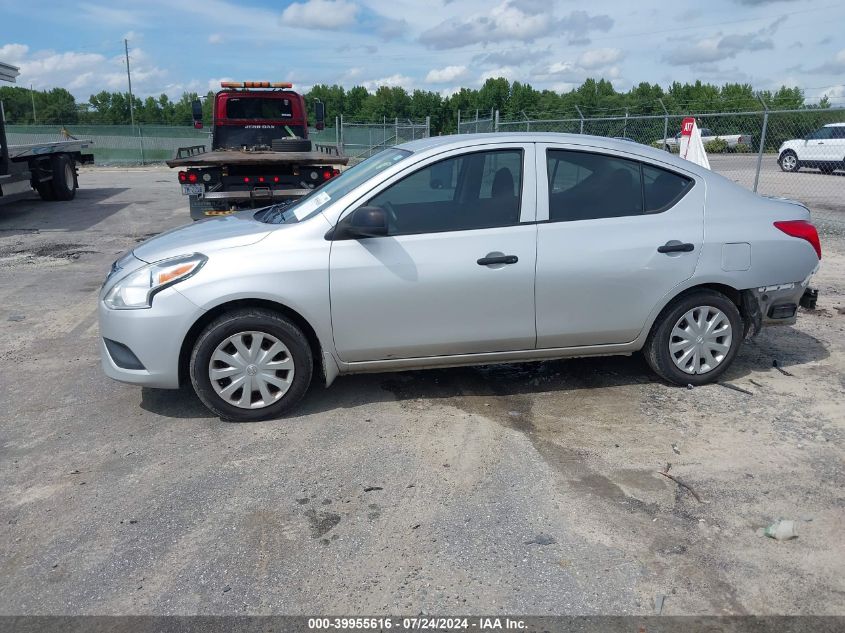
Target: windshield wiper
{"type": "Point", "coordinates": [275, 212]}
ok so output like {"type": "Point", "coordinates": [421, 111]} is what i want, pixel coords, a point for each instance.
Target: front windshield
{"type": "Point", "coordinates": [314, 202]}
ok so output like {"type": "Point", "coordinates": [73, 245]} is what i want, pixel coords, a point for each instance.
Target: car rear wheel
{"type": "Point", "coordinates": [789, 161]}
{"type": "Point", "coordinates": [251, 364]}
{"type": "Point", "coordinates": [695, 339]}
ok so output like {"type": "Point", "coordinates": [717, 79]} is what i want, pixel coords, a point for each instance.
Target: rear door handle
{"type": "Point", "coordinates": [674, 246]}
{"type": "Point", "coordinates": [498, 259]}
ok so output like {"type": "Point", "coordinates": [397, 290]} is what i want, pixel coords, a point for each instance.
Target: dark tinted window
{"type": "Point", "coordinates": [839, 131]}
{"type": "Point", "coordinates": [258, 108]}
{"type": "Point", "coordinates": [661, 188]}
{"type": "Point", "coordinates": [587, 186]}
{"type": "Point", "coordinates": [472, 191]}
{"type": "Point", "coordinates": [822, 133]}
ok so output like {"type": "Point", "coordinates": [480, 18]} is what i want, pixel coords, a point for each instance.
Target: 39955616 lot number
{"type": "Point", "coordinates": [415, 623]}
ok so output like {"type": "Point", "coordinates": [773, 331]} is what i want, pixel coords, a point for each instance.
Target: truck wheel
{"type": "Point", "coordinates": [45, 190]}
{"type": "Point", "coordinates": [251, 364]}
{"type": "Point", "coordinates": [64, 177]}
{"type": "Point", "coordinates": [291, 145]}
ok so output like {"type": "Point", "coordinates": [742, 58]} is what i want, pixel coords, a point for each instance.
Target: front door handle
{"type": "Point", "coordinates": [498, 259]}
{"type": "Point", "coordinates": [674, 246]}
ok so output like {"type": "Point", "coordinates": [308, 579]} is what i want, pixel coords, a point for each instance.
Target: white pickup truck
{"type": "Point", "coordinates": [707, 135]}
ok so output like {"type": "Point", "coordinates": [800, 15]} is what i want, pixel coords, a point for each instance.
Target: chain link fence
{"type": "Point", "coordinates": [796, 154]}
{"type": "Point", "coordinates": [144, 144]}
{"type": "Point", "coordinates": [362, 139]}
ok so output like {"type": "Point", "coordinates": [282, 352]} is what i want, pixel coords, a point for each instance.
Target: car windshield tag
{"type": "Point", "coordinates": [304, 209]}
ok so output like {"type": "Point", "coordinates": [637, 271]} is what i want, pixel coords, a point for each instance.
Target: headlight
{"type": "Point", "coordinates": [137, 289]}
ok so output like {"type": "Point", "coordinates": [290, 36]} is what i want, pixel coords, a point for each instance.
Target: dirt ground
{"type": "Point", "coordinates": [530, 489]}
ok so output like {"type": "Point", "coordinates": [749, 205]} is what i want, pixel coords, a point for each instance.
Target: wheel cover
{"type": "Point", "coordinates": [251, 370]}
{"type": "Point", "coordinates": [700, 340]}
{"type": "Point", "coordinates": [789, 161]}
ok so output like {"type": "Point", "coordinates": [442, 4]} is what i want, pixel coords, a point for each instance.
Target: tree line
{"type": "Point", "coordinates": [514, 100]}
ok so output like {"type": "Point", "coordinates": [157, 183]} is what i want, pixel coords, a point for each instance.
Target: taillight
{"type": "Point", "coordinates": [192, 176]}
{"type": "Point", "coordinates": [246, 178]}
{"type": "Point", "coordinates": [261, 179]}
{"type": "Point", "coordinates": [327, 174]}
{"type": "Point", "coordinates": [276, 179]}
{"type": "Point", "coordinates": [802, 230]}
{"type": "Point", "coordinates": [183, 177]}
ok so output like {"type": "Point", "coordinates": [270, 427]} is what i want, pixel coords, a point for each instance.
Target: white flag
{"type": "Point", "coordinates": [692, 147]}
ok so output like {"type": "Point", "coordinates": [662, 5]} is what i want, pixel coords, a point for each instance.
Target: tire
{"type": "Point", "coordinates": [291, 145]}
{"type": "Point", "coordinates": [45, 190]}
{"type": "Point", "coordinates": [711, 304]}
{"type": "Point", "coordinates": [64, 177]}
{"type": "Point", "coordinates": [789, 162]}
{"type": "Point", "coordinates": [293, 363]}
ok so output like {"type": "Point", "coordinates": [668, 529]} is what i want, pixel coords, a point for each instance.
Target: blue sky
{"type": "Point", "coordinates": [439, 45]}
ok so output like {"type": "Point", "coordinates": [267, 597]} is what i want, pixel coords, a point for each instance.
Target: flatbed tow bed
{"type": "Point", "coordinates": [48, 168]}
{"type": "Point", "coordinates": [210, 202]}
{"type": "Point", "coordinates": [220, 158]}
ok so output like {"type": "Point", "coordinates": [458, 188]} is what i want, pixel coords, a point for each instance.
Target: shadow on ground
{"type": "Point", "coordinates": [788, 346]}
{"type": "Point", "coordinates": [88, 208]}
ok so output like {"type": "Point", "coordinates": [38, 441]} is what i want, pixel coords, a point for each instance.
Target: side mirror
{"type": "Point", "coordinates": [362, 222]}
{"type": "Point", "coordinates": [196, 111]}
{"type": "Point", "coordinates": [320, 112]}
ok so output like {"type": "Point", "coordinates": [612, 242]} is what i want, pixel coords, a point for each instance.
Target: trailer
{"type": "Point", "coordinates": [260, 151]}
{"type": "Point", "coordinates": [48, 168]}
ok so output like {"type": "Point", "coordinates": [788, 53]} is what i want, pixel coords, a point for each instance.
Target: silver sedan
{"type": "Point", "coordinates": [460, 250]}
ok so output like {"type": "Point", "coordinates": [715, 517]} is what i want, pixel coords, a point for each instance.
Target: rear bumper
{"type": "Point", "coordinates": [776, 305]}
{"type": "Point", "coordinates": [214, 203]}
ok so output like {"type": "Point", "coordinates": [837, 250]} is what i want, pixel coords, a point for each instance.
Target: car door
{"type": "Point", "coordinates": [599, 270]}
{"type": "Point", "coordinates": [820, 146]}
{"type": "Point", "coordinates": [455, 274]}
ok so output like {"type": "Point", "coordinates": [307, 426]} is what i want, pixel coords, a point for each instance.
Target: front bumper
{"type": "Point", "coordinates": [153, 335]}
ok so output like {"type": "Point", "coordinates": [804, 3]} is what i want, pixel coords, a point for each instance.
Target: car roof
{"type": "Point", "coordinates": [834, 125]}
{"type": "Point", "coordinates": [457, 141]}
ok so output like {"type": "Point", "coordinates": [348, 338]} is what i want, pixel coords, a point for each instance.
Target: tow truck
{"type": "Point", "coordinates": [260, 150]}
{"type": "Point", "coordinates": [48, 168]}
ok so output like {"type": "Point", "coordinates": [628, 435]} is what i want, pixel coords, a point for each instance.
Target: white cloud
{"type": "Point", "coordinates": [85, 73]}
{"type": "Point", "coordinates": [508, 72]}
{"type": "Point", "coordinates": [398, 79]}
{"type": "Point", "coordinates": [13, 52]}
{"type": "Point", "coordinates": [320, 14]}
{"type": "Point", "coordinates": [721, 47]}
{"type": "Point", "coordinates": [599, 57]}
{"type": "Point", "coordinates": [446, 75]}
{"type": "Point", "coordinates": [215, 38]}
{"type": "Point", "coordinates": [512, 20]}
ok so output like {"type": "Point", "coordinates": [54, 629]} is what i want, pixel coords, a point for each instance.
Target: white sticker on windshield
{"type": "Point", "coordinates": [304, 209]}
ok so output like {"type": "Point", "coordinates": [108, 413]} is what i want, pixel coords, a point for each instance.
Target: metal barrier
{"type": "Point", "coordinates": [796, 154]}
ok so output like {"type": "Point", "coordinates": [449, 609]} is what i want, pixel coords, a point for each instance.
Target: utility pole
{"type": "Point", "coordinates": [131, 101]}
{"type": "Point", "coordinates": [129, 78]}
{"type": "Point", "coordinates": [32, 95]}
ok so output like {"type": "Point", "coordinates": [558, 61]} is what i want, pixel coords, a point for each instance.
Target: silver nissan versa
{"type": "Point", "coordinates": [460, 250]}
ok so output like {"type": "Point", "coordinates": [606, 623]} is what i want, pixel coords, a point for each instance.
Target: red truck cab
{"type": "Point", "coordinates": [251, 115]}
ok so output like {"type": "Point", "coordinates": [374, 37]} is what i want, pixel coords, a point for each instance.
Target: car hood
{"type": "Point", "coordinates": [206, 235]}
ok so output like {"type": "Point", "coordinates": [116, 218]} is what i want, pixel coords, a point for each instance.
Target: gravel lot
{"type": "Point", "coordinates": [517, 489]}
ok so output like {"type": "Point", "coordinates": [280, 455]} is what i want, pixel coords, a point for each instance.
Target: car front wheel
{"type": "Point", "coordinates": [789, 161]}
{"type": "Point", "coordinates": [251, 364]}
{"type": "Point", "coordinates": [695, 338]}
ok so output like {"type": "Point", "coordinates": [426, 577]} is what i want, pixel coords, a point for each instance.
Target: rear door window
{"type": "Point", "coordinates": [591, 186]}
{"type": "Point", "coordinates": [588, 186]}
